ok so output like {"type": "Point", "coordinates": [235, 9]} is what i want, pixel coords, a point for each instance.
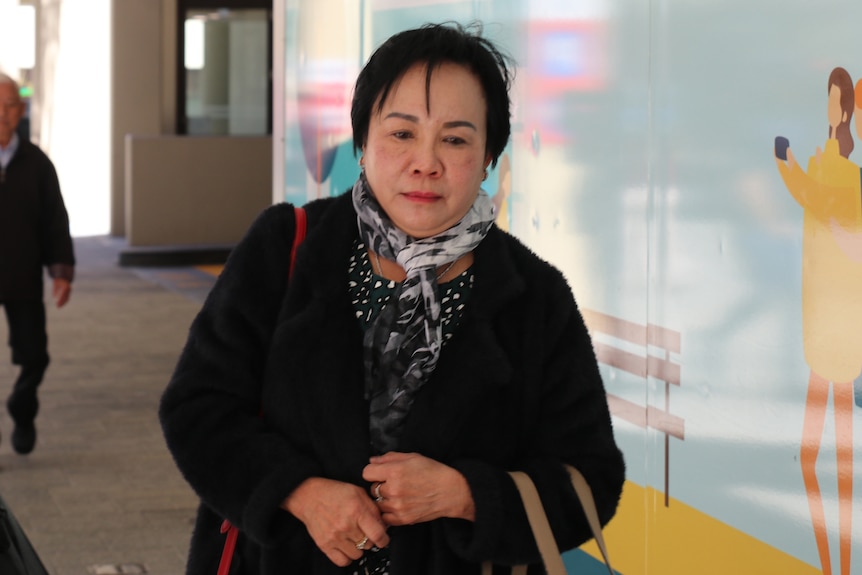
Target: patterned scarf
{"type": "Point", "coordinates": [402, 347]}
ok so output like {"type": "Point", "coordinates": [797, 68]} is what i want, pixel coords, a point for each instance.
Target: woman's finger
{"type": "Point", "coordinates": [374, 528]}
{"type": "Point", "coordinates": [339, 557]}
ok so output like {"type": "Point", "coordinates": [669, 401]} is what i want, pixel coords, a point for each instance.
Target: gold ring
{"type": "Point", "coordinates": [361, 545]}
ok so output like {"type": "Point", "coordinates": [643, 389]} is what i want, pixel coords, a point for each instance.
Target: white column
{"type": "Point", "coordinates": [75, 96]}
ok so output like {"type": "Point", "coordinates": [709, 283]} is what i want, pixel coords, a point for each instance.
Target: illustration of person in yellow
{"type": "Point", "coordinates": [829, 192]}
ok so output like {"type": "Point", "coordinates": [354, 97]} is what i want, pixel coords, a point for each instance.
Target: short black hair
{"type": "Point", "coordinates": [434, 44]}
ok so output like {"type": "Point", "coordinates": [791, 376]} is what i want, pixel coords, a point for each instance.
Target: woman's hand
{"type": "Point", "coordinates": [341, 518]}
{"type": "Point", "coordinates": [411, 488]}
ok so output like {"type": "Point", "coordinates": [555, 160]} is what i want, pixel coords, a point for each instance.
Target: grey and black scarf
{"type": "Point", "coordinates": [402, 347]}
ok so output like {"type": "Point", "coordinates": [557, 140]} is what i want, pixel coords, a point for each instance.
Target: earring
{"type": "Point", "coordinates": [362, 163]}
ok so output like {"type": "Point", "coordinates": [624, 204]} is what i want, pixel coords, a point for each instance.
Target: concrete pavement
{"type": "Point", "coordinates": [100, 493]}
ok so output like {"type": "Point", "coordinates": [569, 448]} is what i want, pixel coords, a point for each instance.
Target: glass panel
{"type": "Point", "coordinates": [227, 72]}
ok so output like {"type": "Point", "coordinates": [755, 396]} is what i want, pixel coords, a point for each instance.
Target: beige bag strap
{"type": "Point", "coordinates": [542, 529]}
{"type": "Point", "coordinates": [585, 495]}
{"type": "Point", "coordinates": [539, 524]}
{"type": "Point", "coordinates": [488, 569]}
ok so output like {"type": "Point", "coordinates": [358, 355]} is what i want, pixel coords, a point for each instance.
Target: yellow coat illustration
{"type": "Point", "coordinates": [831, 282]}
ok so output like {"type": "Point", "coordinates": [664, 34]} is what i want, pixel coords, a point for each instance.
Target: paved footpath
{"type": "Point", "coordinates": [100, 493]}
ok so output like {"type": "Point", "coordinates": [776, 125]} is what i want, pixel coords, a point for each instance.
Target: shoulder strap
{"type": "Point", "coordinates": [301, 228]}
{"type": "Point", "coordinates": [585, 494]}
{"type": "Point", "coordinates": [539, 524]}
{"type": "Point", "coordinates": [542, 529]}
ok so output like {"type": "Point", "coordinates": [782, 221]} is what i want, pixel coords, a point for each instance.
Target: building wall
{"type": "Point", "coordinates": [183, 191]}
{"type": "Point", "coordinates": [163, 184]}
{"type": "Point", "coordinates": [138, 69]}
{"type": "Point", "coordinates": [106, 69]}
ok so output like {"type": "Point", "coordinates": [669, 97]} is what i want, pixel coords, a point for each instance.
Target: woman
{"type": "Point", "coordinates": [829, 193]}
{"type": "Point", "coordinates": [362, 418]}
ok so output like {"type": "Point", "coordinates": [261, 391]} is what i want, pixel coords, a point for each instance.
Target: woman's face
{"type": "Point", "coordinates": [425, 157]}
{"type": "Point", "coordinates": [836, 115]}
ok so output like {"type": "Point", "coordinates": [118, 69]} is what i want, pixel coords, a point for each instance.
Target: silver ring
{"type": "Point", "coordinates": [377, 497]}
{"type": "Point", "coordinates": [361, 545]}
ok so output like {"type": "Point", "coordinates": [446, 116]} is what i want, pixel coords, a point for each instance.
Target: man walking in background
{"type": "Point", "coordinates": [34, 232]}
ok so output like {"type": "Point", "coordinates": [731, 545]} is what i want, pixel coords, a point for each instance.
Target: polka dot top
{"type": "Point", "coordinates": [370, 293]}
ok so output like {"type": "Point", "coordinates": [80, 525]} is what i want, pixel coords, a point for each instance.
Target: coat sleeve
{"type": "Point", "coordinates": [58, 253]}
{"type": "Point", "coordinates": [210, 411]}
{"type": "Point", "coordinates": [823, 201]}
{"type": "Point", "coordinates": [567, 421]}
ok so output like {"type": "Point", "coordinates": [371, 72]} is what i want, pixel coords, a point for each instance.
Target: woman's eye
{"type": "Point", "coordinates": [454, 140]}
{"type": "Point", "coordinates": [401, 135]}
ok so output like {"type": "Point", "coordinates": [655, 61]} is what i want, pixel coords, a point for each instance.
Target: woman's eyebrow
{"type": "Point", "coordinates": [460, 124]}
{"type": "Point", "coordinates": [401, 115]}
{"type": "Point", "coordinates": [412, 118]}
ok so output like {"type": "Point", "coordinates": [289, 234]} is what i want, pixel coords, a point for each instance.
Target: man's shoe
{"type": "Point", "coordinates": [24, 438]}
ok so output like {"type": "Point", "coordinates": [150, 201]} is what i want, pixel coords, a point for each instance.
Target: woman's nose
{"type": "Point", "coordinates": [426, 161]}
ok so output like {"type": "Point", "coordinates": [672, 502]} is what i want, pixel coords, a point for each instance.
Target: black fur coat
{"type": "Point", "coordinates": [516, 388]}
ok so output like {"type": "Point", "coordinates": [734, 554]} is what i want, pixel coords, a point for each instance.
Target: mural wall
{"type": "Point", "coordinates": [690, 167]}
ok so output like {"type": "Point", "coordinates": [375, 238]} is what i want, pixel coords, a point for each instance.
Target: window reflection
{"type": "Point", "coordinates": [226, 55]}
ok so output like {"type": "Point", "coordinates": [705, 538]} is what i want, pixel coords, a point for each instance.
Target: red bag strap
{"type": "Point", "coordinates": [229, 547]}
{"type": "Point", "coordinates": [301, 228]}
{"type": "Point", "coordinates": [226, 526]}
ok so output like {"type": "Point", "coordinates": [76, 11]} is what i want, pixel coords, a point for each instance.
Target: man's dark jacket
{"type": "Point", "coordinates": [34, 226]}
{"type": "Point", "coordinates": [517, 387]}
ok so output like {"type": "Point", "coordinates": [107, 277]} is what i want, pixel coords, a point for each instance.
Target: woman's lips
{"type": "Point", "coordinates": [419, 196]}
